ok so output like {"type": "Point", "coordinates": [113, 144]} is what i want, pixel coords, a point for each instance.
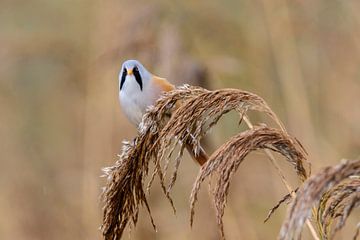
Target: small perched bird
{"type": "Point", "coordinates": [138, 89]}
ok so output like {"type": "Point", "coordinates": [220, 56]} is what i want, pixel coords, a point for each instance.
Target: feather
{"type": "Point", "coordinates": [200, 156]}
{"type": "Point", "coordinates": [163, 83]}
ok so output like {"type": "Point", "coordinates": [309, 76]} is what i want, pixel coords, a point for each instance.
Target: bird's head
{"type": "Point", "coordinates": [133, 71]}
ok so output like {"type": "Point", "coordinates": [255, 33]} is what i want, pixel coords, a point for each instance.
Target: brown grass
{"type": "Point", "coordinates": [186, 115]}
{"type": "Point", "coordinates": [357, 232]}
{"type": "Point", "coordinates": [226, 160]}
{"type": "Point", "coordinates": [334, 190]}
{"type": "Point", "coordinates": [164, 128]}
{"type": "Point", "coordinates": [336, 204]}
{"type": "Point", "coordinates": [286, 199]}
{"type": "Point", "coordinates": [197, 115]}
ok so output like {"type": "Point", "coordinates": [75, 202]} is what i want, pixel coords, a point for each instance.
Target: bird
{"type": "Point", "coordinates": [138, 89]}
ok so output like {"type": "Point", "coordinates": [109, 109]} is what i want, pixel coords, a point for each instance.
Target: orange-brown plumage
{"type": "Point", "coordinates": [163, 83]}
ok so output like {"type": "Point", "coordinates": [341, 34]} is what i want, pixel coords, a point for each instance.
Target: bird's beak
{"type": "Point", "coordinates": [129, 71]}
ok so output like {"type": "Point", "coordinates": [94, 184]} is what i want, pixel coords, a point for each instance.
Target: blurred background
{"type": "Point", "coordinates": [61, 121]}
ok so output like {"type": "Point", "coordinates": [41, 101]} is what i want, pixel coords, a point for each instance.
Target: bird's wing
{"type": "Point", "coordinates": [163, 84]}
{"type": "Point", "coordinates": [201, 157]}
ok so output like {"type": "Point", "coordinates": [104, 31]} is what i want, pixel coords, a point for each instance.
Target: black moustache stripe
{"type": "Point", "coordinates": [123, 77]}
{"type": "Point", "coordinates": [138, 78]}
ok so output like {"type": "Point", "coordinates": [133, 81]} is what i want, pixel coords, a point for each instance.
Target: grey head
{"type": "Point", "coordinates": [134, 69]}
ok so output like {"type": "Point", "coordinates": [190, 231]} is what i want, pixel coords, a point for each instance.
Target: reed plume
{"type": "Point", "coordinates": [226, 160]}
{"type": "Point", "coordinates": [336, 192]}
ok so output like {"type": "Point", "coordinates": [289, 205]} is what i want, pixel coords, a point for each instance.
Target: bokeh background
{"type": "Point", "coordinates": [61, 122]}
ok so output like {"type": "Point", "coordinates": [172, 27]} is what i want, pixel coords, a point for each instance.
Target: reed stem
{"type": "Point", "coordinates": [283, 179]}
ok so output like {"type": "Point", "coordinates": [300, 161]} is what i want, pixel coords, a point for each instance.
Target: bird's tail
{"type": "Point", "coordinates": [201, 157]}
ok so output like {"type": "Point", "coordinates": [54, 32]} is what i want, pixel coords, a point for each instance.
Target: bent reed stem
{"type": "Point", "coordinates": [283, 179]}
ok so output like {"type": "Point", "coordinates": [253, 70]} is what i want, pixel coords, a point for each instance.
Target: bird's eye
{"type": "Point", "coordinates": [125, 71]}
{"type": "Point", "coordinates": [135, 69]}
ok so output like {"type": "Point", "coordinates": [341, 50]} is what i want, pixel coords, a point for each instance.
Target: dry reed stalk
{"type": "Point", "coordinates": [357, 232]}
{"type": "Point", "coordinates": [226, 160]}
{"type": "Point", "coordinates": [286, 199]}
{"type": "Point", "coordinates": [185, 115]}
{"type": "Point", "coordinates": [336, 194]}
{"type": "Point", "coordinates": [292, 192]}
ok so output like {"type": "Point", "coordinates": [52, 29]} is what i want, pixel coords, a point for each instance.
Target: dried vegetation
{"type": "Point", "coordinates": [335, 192]}
{"type": "Point", "coordinates": [186, 115]}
